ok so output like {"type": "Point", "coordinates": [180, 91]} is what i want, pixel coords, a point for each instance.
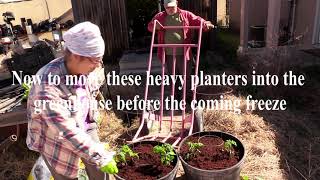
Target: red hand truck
{"type": "Point", "coordinates": [150, 117]}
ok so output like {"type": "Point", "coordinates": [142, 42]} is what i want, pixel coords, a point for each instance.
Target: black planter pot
{"type": "Point", "coordinates": [169, 176]}
{"type": "Point", "coordinates": [231, 173]}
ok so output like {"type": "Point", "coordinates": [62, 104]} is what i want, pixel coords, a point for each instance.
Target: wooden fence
{"type": "Point", "coordinates": [111, 17]}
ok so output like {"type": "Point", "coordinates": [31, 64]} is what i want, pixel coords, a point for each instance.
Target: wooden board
{"type": "Point", "coordinates": [17, 116]}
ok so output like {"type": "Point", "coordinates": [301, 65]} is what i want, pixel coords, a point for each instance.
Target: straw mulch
{"type": "Point", "coordinates": [114, 131]}
{"type": "Point", "coordinates": [17, 161]}
{"type": "Point", "coordinates": [279, 145]}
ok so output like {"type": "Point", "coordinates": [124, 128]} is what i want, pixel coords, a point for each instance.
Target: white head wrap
{"type": "Point", "coordinates": [84, 39]}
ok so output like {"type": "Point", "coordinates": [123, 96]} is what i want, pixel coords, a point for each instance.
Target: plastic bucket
{"type": "Point", "coordinates": [231, 173]}
{"type": "Point", "coordinates": [169, 176]}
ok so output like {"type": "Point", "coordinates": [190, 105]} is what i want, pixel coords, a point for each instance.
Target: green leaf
{"type": "Point", "coordinates": [229, 143]}
{"type": "Point", "coordinates": [244, 177]}
{"type": "Point", "coordinates": [193, 148]}
{"type": "Point", "coordinates": [166, 152]}
{"type": "Point", "coordinates": [26, 90]}
{"type": "Point", "coordinates": [123, 152]}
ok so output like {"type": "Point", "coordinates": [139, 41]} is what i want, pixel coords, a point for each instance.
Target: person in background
{"type": "Point", "coordinates": [64, 135]}
{"type": "Point", "coordinates": [174, 16]}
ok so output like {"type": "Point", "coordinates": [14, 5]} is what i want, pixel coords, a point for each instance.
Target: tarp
{"type": "Point", "coordinates": [36, 10]}
{"type": "Point", "coordinates": [10, 1]}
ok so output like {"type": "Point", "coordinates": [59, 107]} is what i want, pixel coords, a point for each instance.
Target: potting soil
{"type": "Point", "coordinates": [211, 156]}
{"type": "Point", "coordinates": [148, 166]}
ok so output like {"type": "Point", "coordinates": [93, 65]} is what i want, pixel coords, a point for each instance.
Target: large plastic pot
{"type": "Point", "coordinates": [231, 173]}
{"type": "Point", "coordinates": [169, 176]}
{"type": "Point", "coordinates": [257, 33]}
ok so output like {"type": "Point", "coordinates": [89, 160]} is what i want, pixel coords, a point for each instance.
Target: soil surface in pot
{"type": "Point", "coordinates": [148, 166]}
{"type": "Point", "coordinates": [211, 156]}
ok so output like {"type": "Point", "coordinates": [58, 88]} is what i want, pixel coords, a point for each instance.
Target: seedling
{"type": "Point", "coordinates": [228, 146]}
{"type": "Point", "coordinates": [193, 149]}
{"type": "Point", "coordinates": [166, 152]}
{"type": "Point", "coordinates": [123, 153]}
{"type": "Point", "coordinates": [26, 88]}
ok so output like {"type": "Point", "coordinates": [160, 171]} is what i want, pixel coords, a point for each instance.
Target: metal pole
{"type": "Point", "coordinates": [47, 8]}
{"type": "Point", "coordinates": [147, 84]}
{"type": "Point", "coordinates": [159, 5]}
{"type": "Point", "coordinates": [244, 18]}
{"type": "Point", "coordinates": [293, 20]}
{"type": "Point", "coordinates": [173, 85]}
{"type": "Point", "coordinates": [196, 74]}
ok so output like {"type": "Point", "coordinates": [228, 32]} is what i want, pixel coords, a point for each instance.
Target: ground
{"type": "Point", "coordinates": [279, 144]}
